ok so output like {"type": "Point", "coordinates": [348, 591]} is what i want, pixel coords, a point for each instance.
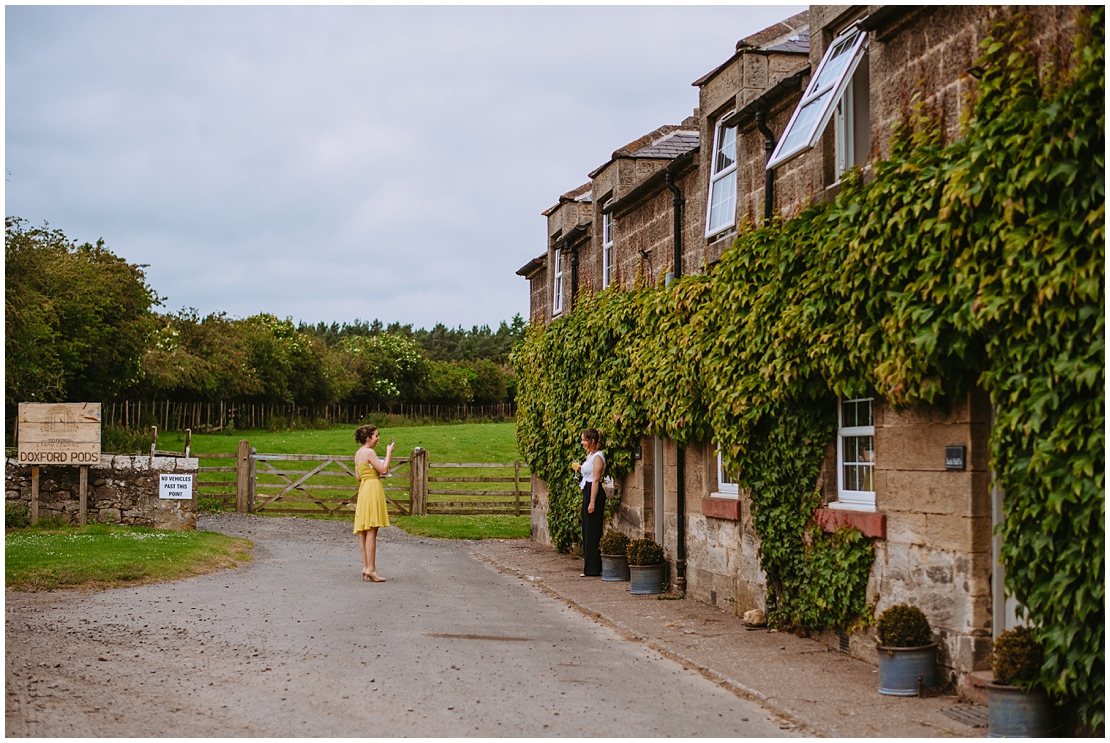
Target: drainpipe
{"type": "Point", "coordinates": [769, 175]}
{"type": "Point", "coordinates": [574, 272]}
{"type": "Point", "coordinates": [678, 201]}
{"type": "Point", "coordinates": [680, 458]}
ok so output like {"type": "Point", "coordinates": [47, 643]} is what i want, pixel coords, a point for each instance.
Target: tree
{"type": "Point", "coordinates": [78, 317]}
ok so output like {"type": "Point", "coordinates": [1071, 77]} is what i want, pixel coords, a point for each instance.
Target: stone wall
{"type": "Point", "coordinates": [122, 489]}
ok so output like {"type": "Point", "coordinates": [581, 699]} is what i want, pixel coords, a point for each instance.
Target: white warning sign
{"type": "Point", "coordinates": [176, 487]}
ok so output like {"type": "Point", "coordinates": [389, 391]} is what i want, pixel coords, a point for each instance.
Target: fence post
{"type": "Point", "coordinates": [250, 491]}
{"type": "Point", "coordinates": [242, 476]}
{"type": "Point", "coordinates": [418, 482]}
{"type": "Point", "coordinates": [516, 486]}
{"type": "Point", "coordinates": [83, 490]}
{"type": "Point", "coordinates": [34, 493]}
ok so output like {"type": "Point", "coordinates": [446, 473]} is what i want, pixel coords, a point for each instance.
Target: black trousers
{"type": "Point", "coordinates": [592, 524]}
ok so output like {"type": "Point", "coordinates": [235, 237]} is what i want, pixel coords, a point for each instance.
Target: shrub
{"type": "Point", "coordinates": [1017, 657]}
{"type": "Point", "coordinates": [904, 626]}
{"type": "Point", "coordinates": [645, 552]}
{"type": "Point", "coordinates": [16, 515]}
{"type": "Point", "coordinates": [120, 440]}
{"type": "Point", "coordinates": [206, 504]}
{"type": "Point", "coordinates": [614, 543]}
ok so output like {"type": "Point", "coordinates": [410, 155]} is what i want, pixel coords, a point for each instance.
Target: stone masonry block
{"type": "Point", "coordinates": [919, 448]}
{"type": "Point", "coordinates": [948, 492]}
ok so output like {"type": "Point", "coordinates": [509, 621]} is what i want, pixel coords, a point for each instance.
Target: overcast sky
{"type": "Point", "coordinates": [334, 163]}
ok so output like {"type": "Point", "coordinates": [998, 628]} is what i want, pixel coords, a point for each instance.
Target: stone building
{"type": "Point", "coordinates": [893, 475]}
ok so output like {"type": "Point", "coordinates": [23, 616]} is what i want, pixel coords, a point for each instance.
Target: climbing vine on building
{"type": "Point", "coordinates": [980, 262]}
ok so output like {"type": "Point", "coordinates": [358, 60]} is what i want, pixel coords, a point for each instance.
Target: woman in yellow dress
{"type": "Point", "coordinates": [370, 512]}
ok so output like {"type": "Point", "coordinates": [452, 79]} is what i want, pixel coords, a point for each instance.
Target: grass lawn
{"type": "Point", "coordinates": [466, 527]}
{"type": "Point", "coordinates": [102, 556]}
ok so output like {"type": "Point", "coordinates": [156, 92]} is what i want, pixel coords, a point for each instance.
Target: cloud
{"type": "Point", "coordinates": [328, 163]}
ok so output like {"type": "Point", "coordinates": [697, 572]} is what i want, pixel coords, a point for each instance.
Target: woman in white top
{"type": "Point", "coordinates": [593, 501]}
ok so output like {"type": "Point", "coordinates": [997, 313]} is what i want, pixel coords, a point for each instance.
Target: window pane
{"type": "Point", "coordinates": [856, 413]}
{"type": "Point", "coordinates": [802, 130]}
{"type": "Point", "coordinates": [838, 59]}
{"type": "Point", "coordinates": [859, 462]}
{"type": "Point", "coordinates": [723, 200]}
{"type": "Point", "coordinates": [726, 149]}
{"type": "Point", "coordinates": [859, 449]}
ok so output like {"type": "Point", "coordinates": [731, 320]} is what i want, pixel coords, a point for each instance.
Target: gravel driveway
{"type": "Point", "coordinates": [294, 644]}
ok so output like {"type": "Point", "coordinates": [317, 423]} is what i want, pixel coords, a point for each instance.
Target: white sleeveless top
{"type": "Point", "coordinates": [588, 466]}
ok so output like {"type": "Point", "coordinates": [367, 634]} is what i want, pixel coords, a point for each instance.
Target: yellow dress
{"type": "Point", "coordinates": [371, 509]}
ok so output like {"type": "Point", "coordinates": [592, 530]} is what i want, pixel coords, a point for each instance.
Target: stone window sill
{"type": "Point", "coordinates": [725, 507]}
{"type": "Point", "coordinates": [869, 523]}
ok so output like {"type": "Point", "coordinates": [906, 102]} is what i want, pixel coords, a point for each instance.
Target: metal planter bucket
{"type": "Point", "coordinates": [900, 669]}
{"type": "Point", "coordinates": [648, 579]}
{"type": "Point", "coordinates": [614, 567]}
{"type": "Point", "coordinates": [1016, 713]}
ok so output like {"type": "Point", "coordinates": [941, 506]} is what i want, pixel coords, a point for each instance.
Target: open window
{"type": "Point", "coordinates": [819, 102]}
{"type": "Point", "coordinates": [557, 288]}
{"type": "Point", "coordinates": [606, 248]}
{"type": "Point", "coordinates": [852, 121]}
{"type": "Point", "coordinates": [722, 180]}
{"type": "Point", "coordinates": [855, 455]}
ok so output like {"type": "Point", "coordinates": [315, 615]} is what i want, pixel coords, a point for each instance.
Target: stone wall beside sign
{"type": "Point", "coordinates": [122, 489]}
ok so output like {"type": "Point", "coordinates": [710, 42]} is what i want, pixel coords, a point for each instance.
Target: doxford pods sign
{"type": "Point", "coordinates": [59, 433]}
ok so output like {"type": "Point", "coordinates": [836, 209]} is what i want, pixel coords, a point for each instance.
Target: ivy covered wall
{"type": "Point", "coordinates": [981, 262]}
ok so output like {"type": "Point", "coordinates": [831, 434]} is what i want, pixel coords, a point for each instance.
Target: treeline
{"type": "Point", "coordinates": [81, 325]}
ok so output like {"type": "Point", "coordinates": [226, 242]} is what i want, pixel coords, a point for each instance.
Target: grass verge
{"type": "Point", "coordinates": [465, 527]}
{"type": "Point", "coordinates": [100, 556]}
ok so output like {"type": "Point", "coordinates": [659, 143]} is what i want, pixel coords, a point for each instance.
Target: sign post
{"type": "Point", "coordinates": [59, 433]}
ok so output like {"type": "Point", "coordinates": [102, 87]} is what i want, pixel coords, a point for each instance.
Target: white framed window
{"type": "Point", "coordinates": [606, 248]}
{"type": "Point", "coordinates": [557, 287]}
{"type": "Point", "coordinates": [721, 212]}
{"type": "Point", "coordinates": [852, 121]}
{"type": "Point", "coordinates": [855, 455]}
{"type": "Point", "coordinates": [822, 94]}
{"type": "Point", "coordinates": [726, 482]}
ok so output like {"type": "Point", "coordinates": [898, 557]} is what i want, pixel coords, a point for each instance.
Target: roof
{"type": "Point", "coordinates": [678, 142]}
{"type": "Point", "coordinates": [532, 266]}
{"type": "Point", "coordinates": [636, 148]}
{"type": "Point", "coordinates": [798, 43]}
{"type": "Point", "coordinates": [790, 36]}
{"type": "Point", "coordinates": [582, 194]}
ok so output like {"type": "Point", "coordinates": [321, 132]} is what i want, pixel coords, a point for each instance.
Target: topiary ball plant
{"type": "Point", "coordinates": [903, 626]}
{"type": "Point", "coordinates": [614, 543]}
{"type": "Point", "coordinates": [645, 552]}
{"type": "Point", "coordinates": [1017, 657]}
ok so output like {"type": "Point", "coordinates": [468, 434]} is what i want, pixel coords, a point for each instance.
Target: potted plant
{"type": "Point", "coordinates": [1017, 706]}
{"type": "Point", "coordinates": [907, 653]}
{"type": "Point", "coordinates": [647, 567]}
{"type": "Point", "coordinates": [614, 556]}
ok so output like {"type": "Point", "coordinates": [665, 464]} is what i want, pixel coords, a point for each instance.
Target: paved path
{"type": "Point", "coordinates": [824, 691]}
{"type": "Point", "coordinates": [294, 644]}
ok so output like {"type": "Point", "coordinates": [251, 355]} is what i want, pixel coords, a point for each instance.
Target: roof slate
{"type": "Point", "coordinates": [676, 143]}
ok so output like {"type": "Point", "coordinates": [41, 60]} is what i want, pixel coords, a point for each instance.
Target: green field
{"type": "Point", "coordinates": [464, 442]}
{"type": "Point", "coordinates": [454, 443]}
{"type": "Point", "coordinates": [41, 558]}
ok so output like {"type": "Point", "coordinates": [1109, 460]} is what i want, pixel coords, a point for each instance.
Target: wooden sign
{"type": "Point", "coordinates": [59, 433]}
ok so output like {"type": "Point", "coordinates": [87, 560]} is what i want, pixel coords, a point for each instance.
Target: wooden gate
{"type": "Point", "coordinates": [304, 484]}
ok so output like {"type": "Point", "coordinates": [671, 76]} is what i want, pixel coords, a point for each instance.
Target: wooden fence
{"type": "Point", "coordinates": [489, 501]}
{"type": "Point", "coordinates": [218, 416]}
{"type": "Point", "coordinates": [326, 485]}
